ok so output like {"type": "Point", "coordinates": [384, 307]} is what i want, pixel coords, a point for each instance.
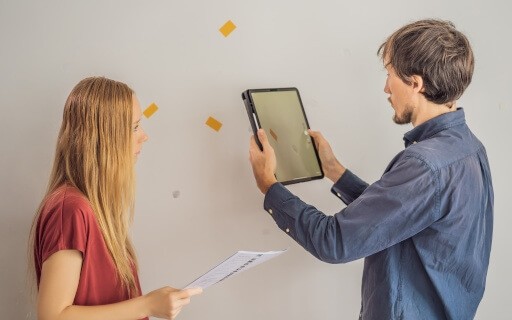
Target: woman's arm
{"type": "Point", "coordinates": [59, 281]}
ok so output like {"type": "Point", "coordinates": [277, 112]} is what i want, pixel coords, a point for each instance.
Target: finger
{"type": "Point", "coordinates": [316, 136]}
{"type": "Point", "coordinates": [262, 136]}
{"type": "Point", "coordinates": [252, 143]}
{"type": "Point", "coordinates": [254, 149]}
{"type": "Point", "coordinates": [194, 291]}
{"type": "Point", "coordinates": [186, 293]}
{"type": "Point", "coordinates": [267, 148]}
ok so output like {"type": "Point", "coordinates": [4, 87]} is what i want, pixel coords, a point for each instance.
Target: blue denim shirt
{"type": "Point", "coordinates": [424, 228]}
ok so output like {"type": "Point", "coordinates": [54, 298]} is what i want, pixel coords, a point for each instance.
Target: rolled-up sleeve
{"type": "Point", "coordinates": [402, 203]}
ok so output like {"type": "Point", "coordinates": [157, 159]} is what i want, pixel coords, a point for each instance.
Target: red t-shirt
{"type": "Point", "coordinates": [68, 222]}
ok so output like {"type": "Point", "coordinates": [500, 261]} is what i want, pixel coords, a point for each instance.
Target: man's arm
{"type": "Point", "coordinates": [402, 203]}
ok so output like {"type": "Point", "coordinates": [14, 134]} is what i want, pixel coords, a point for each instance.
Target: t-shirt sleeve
{"type": "Point", "coordinates": [65, 227]}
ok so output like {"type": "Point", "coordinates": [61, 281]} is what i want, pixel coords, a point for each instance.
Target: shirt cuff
{"type": "Point", "coordinates": [348, 187]}
{"type": "Point", "coordinates": [278, 206]}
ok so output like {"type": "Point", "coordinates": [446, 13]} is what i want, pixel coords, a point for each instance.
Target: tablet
{"type": "Point", "coordinates": [280, 113]}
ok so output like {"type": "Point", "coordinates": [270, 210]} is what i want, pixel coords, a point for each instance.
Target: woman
{"type": "Point", "coordinates": [85, 263]}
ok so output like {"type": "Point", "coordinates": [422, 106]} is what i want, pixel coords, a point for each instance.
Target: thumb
{"type": "Point", "coordinates": [317, 137]}
{"type": "Point", "coordinates": [262, 136]}
{"type": "Point", "coordinates": [194, 291]}
{"type": "Point", "coordinates": [315, 134]}
{"type": "Point", "coordinates": [185, 293]}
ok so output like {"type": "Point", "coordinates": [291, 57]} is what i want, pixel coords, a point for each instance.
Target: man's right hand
{"type": "Point", "coordinates": [333, 169]}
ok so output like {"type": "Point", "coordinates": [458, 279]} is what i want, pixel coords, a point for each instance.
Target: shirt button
{"type": "Point", "coordinates": [270, 211]}
{"type": "Point", "coordinates": [287, 230]}
{"type": "Point", "coordinates": [414, 142]}
{"type": "Point", "coordinates": [339, 195]}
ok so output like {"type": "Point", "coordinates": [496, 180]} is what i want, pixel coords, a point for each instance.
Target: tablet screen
{"type": "Point", "coordinates": [281, 114]}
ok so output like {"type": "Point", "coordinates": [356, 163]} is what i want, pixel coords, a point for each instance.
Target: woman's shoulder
{"type": "Point", "coordinates": [65, 222]}
{"type": "Point", "coordinates": [67, 201]}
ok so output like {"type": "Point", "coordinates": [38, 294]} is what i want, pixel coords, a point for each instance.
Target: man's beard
{"type": "Point", "coordinates": [405, 117]}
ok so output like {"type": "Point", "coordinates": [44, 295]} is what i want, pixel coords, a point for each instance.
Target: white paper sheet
{"type": "Point", "coordinates": [237, 263]}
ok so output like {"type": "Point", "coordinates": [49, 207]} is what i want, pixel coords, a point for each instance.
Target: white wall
{"type": "Point", "coordinates": [172, 53]}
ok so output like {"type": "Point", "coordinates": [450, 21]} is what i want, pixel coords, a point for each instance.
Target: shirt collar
{"type": "Point", "coordinates": [433, 126]}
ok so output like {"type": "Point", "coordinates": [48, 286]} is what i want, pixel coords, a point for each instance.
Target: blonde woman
{"type": "Point", "coordinates": [85, 263]}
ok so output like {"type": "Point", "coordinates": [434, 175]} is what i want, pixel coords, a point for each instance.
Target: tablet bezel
{"type": "Point", "coordinates": [255, 125]}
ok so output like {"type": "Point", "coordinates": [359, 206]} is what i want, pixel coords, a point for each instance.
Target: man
{"type": "Point", "coordinates": [425, 227]}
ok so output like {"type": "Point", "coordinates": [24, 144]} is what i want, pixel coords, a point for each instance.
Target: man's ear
{"type": "Point", "coordinates": [417, 83]}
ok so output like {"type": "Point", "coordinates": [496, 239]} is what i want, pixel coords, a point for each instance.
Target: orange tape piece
{"type": "Point", "coordinates": [213, 123]}
{"type": "Point", "coordinates": [150, 110]}
{"type": "Point", "coordinates": [227, 28]}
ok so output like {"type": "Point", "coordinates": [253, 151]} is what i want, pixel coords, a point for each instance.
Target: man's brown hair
{"type": "Point", "coordinates": [434, 50]}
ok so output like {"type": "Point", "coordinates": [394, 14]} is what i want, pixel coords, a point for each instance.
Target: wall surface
{"type": "Point", "coordinates": [196, 198]}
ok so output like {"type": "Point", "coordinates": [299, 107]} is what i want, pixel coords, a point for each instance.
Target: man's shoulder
{"type": "Point", "coordinates": [445, 148]}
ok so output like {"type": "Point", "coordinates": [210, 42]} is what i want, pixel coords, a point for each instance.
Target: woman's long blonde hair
{"type": "Point", "coordinates": [94, 154]}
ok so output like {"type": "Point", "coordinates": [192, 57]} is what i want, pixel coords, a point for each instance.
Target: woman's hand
{"type": "Point", "coordinates": [166, 302]}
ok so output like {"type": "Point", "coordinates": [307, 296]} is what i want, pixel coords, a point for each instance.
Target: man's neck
{"type": "Point", "coordinates": [427, 110]}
